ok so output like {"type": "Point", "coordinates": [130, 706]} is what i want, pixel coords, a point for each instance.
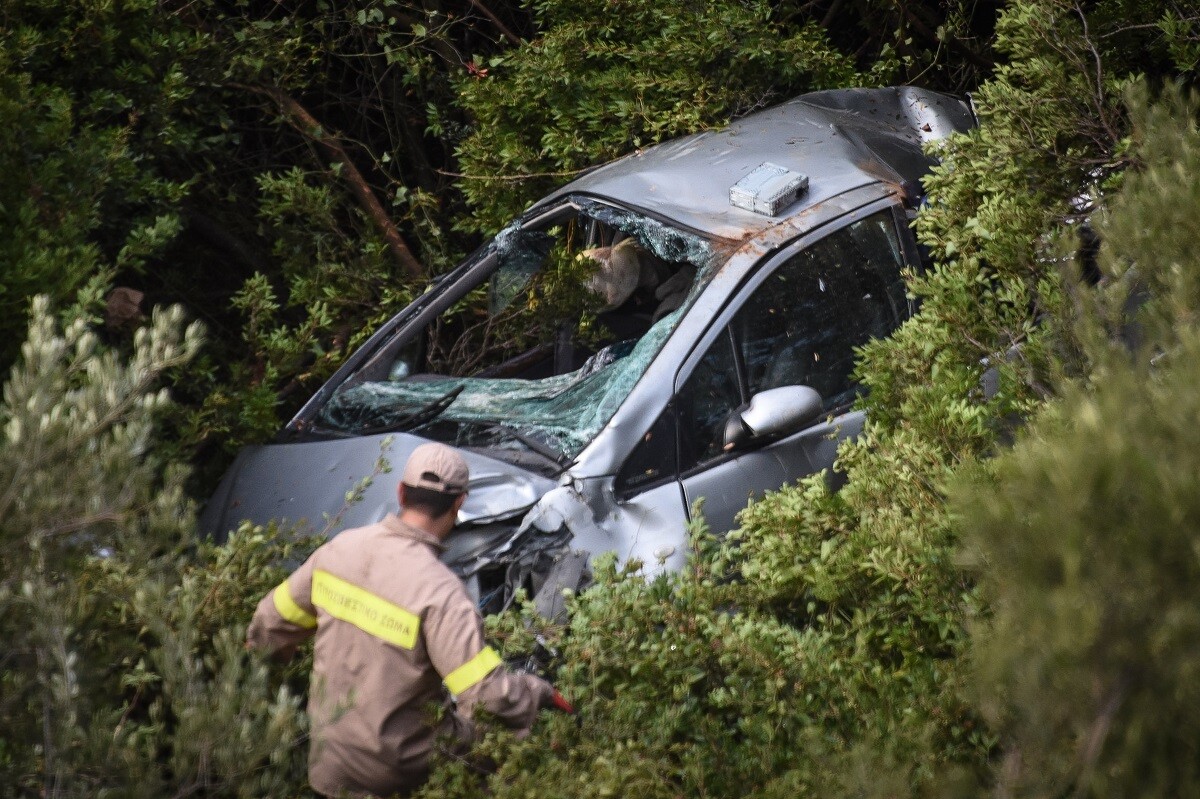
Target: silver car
{"type": "Point", "coordinates": [708, 353]}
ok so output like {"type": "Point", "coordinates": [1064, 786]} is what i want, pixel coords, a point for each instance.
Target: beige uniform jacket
{"type": "Point", "coordinates": [392, 625]}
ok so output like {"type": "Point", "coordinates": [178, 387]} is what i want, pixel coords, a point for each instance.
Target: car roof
{"type": "Point", "coordinates": [839, 139]}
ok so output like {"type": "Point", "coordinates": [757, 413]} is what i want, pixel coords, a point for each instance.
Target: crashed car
{"type": "Point", "coordinates": [677, 325]}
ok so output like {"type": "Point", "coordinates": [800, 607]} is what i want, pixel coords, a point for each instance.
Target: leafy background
{"type": "Point", "coordinates": [1000, 601]}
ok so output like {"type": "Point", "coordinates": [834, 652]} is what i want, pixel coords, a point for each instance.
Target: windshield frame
{"type": "Point", "coordinates": [371, 361]}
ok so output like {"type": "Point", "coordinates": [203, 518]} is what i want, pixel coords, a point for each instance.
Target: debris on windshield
{"type": "Point", "coordinates": [575, 312]}
{"type": "Point", "coordinates": [562, 411]}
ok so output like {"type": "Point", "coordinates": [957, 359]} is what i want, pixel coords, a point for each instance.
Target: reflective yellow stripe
{"type": "Point", "coordinates": [287, 607]}
{"type": "Point", "coordinates": [471, 672]}
{"type": "Point", "coordinates": [367, 612]}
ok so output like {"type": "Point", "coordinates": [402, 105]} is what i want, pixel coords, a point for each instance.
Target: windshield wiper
{"type": "Point", "coordinates": [415, 419]}
{"type": "Point", "coordinates": [559, 459]}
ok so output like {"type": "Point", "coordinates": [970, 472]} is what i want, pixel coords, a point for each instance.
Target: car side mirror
{"type": "Point", "coordinates": [771, 413]}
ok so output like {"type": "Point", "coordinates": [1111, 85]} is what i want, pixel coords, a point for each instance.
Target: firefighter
{"type": "Point", "coordinates": [393, 625]}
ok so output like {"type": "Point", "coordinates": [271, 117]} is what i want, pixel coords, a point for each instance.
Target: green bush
{"type": "Point", "coordinates": [123, 671]}
{"type": "Point", "coordinates": [1084, 535]}
{"type": "Point", "coordinates": [820, 649]}
{"type": "Point", "coordinates": [603, 79]}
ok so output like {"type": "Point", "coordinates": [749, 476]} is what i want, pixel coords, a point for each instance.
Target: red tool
{"type": "Point", "coordinates": [562, 704]}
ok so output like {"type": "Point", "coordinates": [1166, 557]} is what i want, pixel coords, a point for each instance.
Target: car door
{"type": "Point", "coordinates": [797, 322]}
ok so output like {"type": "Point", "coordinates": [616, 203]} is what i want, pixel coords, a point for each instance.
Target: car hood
{"type": "Point", "coordinates": [312, 485]}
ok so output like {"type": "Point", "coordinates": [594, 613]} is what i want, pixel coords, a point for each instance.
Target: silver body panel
{"type": "Point", "coordinates": [839, 139]}
{"type": "Point", "coordinates": [305, 485]}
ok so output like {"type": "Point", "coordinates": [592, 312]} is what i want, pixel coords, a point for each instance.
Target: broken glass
{"type": "Point", "coordinates": [521, 253]}
{"type": "Point", "coordinates": [664, 241]}
{"type": "Point", "coordinates": [556, 393]}
{"type": "Point", "coordinates": [564, 411]}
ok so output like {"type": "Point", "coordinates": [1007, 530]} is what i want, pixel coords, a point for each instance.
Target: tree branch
{"type": "Point", "coordinates": [1093, 743]}
{"type": "Point", "coordinates": [834, 8]}
{"type": "Point", "coordinates": [513, 39]}
{"type": "Point", "coordinates": [306, 124]}
{"type": "Point", "coordinates": [953, 42]}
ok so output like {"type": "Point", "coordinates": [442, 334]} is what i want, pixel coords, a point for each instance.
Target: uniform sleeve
{"type": "Point", "coordinates": [473, 672]}
{"type": "Point", "coordinates": [285, 617]}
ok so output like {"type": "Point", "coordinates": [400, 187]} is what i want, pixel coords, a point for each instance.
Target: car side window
{"type": "Point", "coordinates": [800, 327]}
{"type": "Point", "coordinates": [712, 391]}
{"type": "Point", "coordinates": [653, 459]}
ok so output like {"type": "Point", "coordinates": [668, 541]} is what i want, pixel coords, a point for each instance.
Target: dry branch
{"type": "Point", "coordinates": [513, 39]}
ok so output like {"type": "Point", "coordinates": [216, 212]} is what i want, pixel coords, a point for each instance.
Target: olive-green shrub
{"type": "Point", "coordinates": [1084, 535]}
{"type": "Point", "coordinates": [123, 671]}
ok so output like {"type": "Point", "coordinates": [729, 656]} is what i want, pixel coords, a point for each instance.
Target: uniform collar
{"type": "Point", "coordinates": [394, 525]}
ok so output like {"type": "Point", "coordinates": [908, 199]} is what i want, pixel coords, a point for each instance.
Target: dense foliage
{"type": "Point", "coordinates": [294, 172]}
{"type": "Point", "coordinates": [607, 78]}
{"type": "Point", "coordinates": [1083, 535]}
{"type": "Point", "coordinates": [291, 172]}
{"type": "Point", "coordinates": [122, 665]}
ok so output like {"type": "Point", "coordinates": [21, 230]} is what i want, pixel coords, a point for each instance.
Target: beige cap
{"type": "Point", "coordinates": [436, 467]}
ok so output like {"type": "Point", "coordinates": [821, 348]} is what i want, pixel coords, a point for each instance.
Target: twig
{"type": "Point", "coordinates": [81, 523]}
{"type": "Point", "coordinates": [834, 8]}
{"type": "Point", "coordinates": [49, 751]}
{"type": "Point", "coordinates": [920, 26]}
{"type": "Point", "coordinates": [514, 178]}
{"type": "Point", "coordinates": [1149, 25]}
{"type": "Point", "coordinates": [513, 39]}
{"type": "Point", "coordinates": [1097, 734]}
{"type": "Point", "coordinates": [1100, 104]}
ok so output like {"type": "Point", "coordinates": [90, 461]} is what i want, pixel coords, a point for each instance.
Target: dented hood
{"type": "Point", "coordinates": [308, 484]}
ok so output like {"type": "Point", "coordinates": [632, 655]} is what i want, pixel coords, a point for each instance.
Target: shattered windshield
{"type": "Point", "coordinates": [538, 356]}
